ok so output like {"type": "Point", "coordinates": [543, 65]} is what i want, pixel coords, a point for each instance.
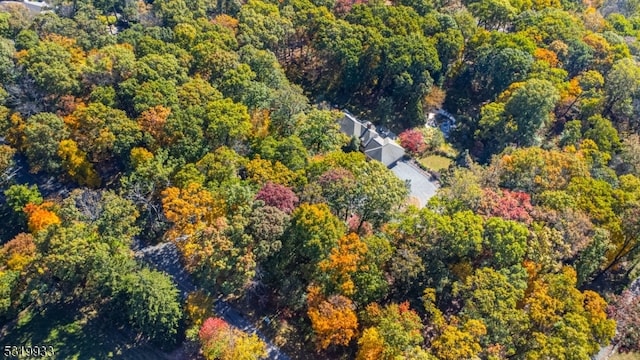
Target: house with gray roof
{"type": "Point", "coordinates": [34, 7]}
{"type": "Point", "coordinates": [372, 144]}
{"type": "Point", "coordinates": [384, 149]}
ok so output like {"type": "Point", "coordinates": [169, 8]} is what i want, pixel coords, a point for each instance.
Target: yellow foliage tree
{"type": "Point", "coordinates": [603, 54]}
{"type": "Point", "coordinates": [78, 56]}
{"type": "Point", "coordinates": [247, 347]}
{"type": "Point", "coordinates": [593, 19]}
{"type": "Point", "coordinates": [220, 341]}
{"type": "Point", "coordinates": [262, 171]}
{"type": "Point", "coordinates": [15, 133]}
{"type": "Point", "coordinates": [435, 316]}
{"type": "Point", "coordinates": [260, 120]}
{"type": "Point", "coordinates": [18, 252]}
{"type": "Point", "coordinates": [370, 345]}
{"type": "Point", "coordinates": [75, 162]}
{"type": "Point", "coordinates": [543, 4]}
{"type": "Point", "coordinates": [190, 209]}
{"type": "Point", "coordinates": [139, 156]}
{"type": "Point", "coordinates": [544, 310]}
{"type": "Point", "coordinates": [534, 170]}
{"type": "Point", "coordinates": [198, 307]}
{"type": "Point", "coordinates": [565, 321]}
{"type": "Point", "coordinates": [455, 343]}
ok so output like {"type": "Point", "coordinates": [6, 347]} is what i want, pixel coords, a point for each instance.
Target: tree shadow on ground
{"type": "Point", "coordinates": [75, 335]}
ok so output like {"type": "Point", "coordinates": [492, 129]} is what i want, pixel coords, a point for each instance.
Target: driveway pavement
{"type": "Point", "coordinates": [421, 185]}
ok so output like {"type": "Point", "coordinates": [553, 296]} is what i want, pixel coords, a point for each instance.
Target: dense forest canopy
{"type": "Point", "coordinates": [211, 128]}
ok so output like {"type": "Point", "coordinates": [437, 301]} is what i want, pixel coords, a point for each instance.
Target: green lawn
{"type": "Point", "coordinates": [435, 162]}
{"type": "Point", "coordinates": [76, 336]}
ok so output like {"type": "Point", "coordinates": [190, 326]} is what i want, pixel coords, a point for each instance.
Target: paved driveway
{"type": "Point", "coordinates": [422, 187]}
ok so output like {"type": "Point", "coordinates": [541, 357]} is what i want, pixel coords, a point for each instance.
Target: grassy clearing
{"type": "Point", "coordinates": [74, 335]}
{"type": "Point", "coordinates": [631, 356]}
{"type": "Point", "coordinates": [448, 150]}
{"type": "Point", "coordinates": [435, 162]}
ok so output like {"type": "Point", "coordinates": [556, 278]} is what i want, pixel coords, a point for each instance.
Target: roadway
{"type": "Point", "coordinates": [165, 257]}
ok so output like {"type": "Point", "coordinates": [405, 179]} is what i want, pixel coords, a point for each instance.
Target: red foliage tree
{"type": "Point", "coordinates": [509, 205]}
{"type": "Point", "coordinates": [211, 329]}
{"type": "Point", "coordinates": [364, 229]}
{"type": "Point", "coordinates": [278, 196]}
{"type": "Point", "coordinates": [220, 341]}
{"type": "Point", "coordinates": [413, 141]}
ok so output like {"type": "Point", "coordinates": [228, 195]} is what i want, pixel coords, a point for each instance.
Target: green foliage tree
{"type": "Point", "coordinates": [506, 241]}
{"type": "Point", "coordinates": [262, 26]}
{"type": "Point", "coordinates": [602, 132]}
{"type": "Point", "coordinates": [110, 65]}
{"type": "Point", "coordinates": [319, 131]}
{"type": "Point", "coordinates": [226, 123]}
{"type": "Point", "coordinates": [496, 70]}
{"type": "Point", "coordinates": [311, 235]}
{"type": "Point", "coordinates": [530, 107]}
{"type": "Point", "coordinates": [491, 297]}
{"type": "Point", "coordinates": [289, 151]}
{"type": "Point", "coordinates": [621, 86]}
{"type": "Point", "coordinates": [12, 210]}
{"type": "Point", "coordinates": [397, 330]}
{"type": "Point", "coordinates": [266, 225]}
{"type": "Point", "coordinates": [493, 14]}
{"type": "Point", "coordinates": [7, 66]}
{"type": "Point", "coordinates": [152, 304]}
{"type": "Point", "coordinates": [55, 64]}
{"type": "Point", "coordinates": [42, 134]}
{"type": "Point", "coordinates": [365, 200]}
{"type": "Point", "coordinates": [18, 196]}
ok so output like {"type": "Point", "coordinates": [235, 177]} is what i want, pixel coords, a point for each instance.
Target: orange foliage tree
{"type": "Point", "coordinates": [547, 56]}
{"type": "Point", "coordinates": [333, 319]}
{"type": "Point", "coordinates": [39, 217]}
{"type": "Point", "coordinates": [343, 261]}
{"type": "Point", "coordinates": [152, 121]}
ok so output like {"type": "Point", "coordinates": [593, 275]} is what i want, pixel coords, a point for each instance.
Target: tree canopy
{"type": "Point", "coordinates": [213, 132]}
